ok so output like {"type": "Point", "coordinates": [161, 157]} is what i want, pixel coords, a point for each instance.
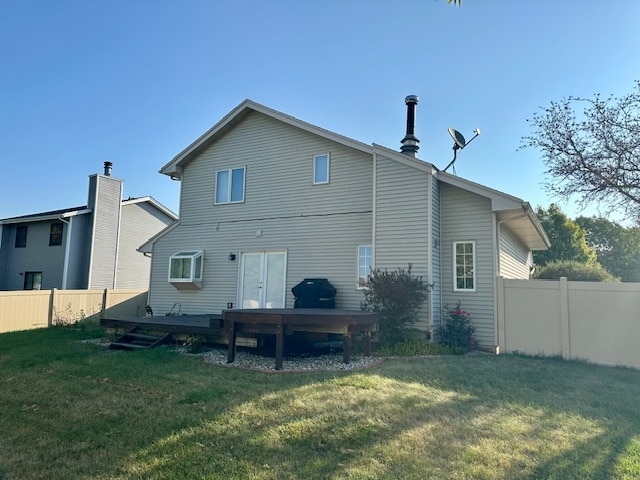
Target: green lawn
{"type": "Point", "coordinates": [72, 410]}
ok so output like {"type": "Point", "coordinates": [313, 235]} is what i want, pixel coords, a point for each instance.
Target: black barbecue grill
{"type": "Point", "coordinates": [314, 293]}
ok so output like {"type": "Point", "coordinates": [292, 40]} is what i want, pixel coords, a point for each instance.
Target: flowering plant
{"type": "Point", "coordinates": [456, 329]}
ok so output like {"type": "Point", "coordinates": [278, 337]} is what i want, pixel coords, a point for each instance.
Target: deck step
{"type": "Point", "coordinates": [134, 340]}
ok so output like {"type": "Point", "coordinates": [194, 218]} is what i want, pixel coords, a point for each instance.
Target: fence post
{"type": "Point", "coordinates": [105, 296]}
{"type": "Point", "coordinates": [502, 325]}
{"type": "Point", "coordinates": [564, 317]}
{"type": "Point", "coordinates": [52, 306]}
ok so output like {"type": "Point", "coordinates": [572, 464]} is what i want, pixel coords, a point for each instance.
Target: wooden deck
{"type": "Point", "coordinates": [242, 327]}
{"type": "Point", "coordinates": [210, 325]}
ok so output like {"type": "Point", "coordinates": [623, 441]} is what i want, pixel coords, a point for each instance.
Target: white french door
{"type": "Point", "coordinates": [262, 279]}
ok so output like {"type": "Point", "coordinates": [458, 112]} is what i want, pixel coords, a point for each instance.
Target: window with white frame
{"type": "Point", "coordinates": [185, 268]}
{"type": "Point", "coordinates": [321, 169]}
{"type": "Point", "coordinates": [464, 266]}
{"type": "Point", "coordinates": [230, 185]}
{"type": "Point", "coordinates": [365, 262]}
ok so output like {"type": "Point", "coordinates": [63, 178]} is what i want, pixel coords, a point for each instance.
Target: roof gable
{"type": "Point", "coordinates": [174, 167]}
{"type": "Point", "coordinates": [239, 113]}
{"type": "Point", "coordinates": [72, 212]}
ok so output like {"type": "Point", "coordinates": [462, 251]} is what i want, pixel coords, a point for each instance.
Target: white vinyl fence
{"type": "Point", "coordinates": [24, 310]}
{"type": "Point", "coordinates": [598, 322]}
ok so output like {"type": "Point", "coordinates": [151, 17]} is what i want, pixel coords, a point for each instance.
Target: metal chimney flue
{"type": "Point", "coordinates": [107, 168]}
{"type": "Point", "coordinates": [410, 142]}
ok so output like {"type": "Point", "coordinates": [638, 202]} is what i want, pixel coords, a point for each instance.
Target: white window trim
{"type": "Point", "coordinates": [244, 182]}
{"type": "Point", "coordinates": [358, 287]}
{"type": "Point", "coordinates": [328, 168]}
{"type": "Point", "coordinates": [455, 276]}
{"type": "Point", "coordinates": [192, 279]}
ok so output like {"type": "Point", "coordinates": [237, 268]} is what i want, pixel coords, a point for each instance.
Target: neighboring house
{"type": "Point", "coordinates": [268, 200]}
{"type": "Point", "coordinates": [93, 246]}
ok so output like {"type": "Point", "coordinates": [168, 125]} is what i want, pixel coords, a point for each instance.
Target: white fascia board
{"type": "Point", "coordinates": [147, 247]}
{"type": "Point", "coordinates": [173, 168]}
{"type": "Point", "coordinates": [153, 202]}
{"type": "Point", "coordinates": [44, 218]}
{"type": "Point", "coordinates": [499, 200]}
{"type": "Point", "coordinates": [404, 159]}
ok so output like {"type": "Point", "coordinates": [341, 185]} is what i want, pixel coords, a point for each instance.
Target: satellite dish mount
{"type": "Point", "coordinates": [458, 144]}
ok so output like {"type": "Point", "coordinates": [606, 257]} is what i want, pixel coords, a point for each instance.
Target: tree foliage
{"type": "Point", "coordinates": [592, 156]}
{"type": "Point", "coordinates": [575, 271]}
{"type": "Point", "coordinates": [568, 239]}
{"type": "Point", "coordinates": [617, 247]}
{"type": "Point", "coordinates": [397, 296]}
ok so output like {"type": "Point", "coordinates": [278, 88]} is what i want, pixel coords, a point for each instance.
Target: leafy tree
{"type": "Point", "coordinates": [617, 247]}
{"type": "Point", "coordinates": [397, 296]}
{"type": "Point", "coordinates": [568, 239]}
{"type": "Point", "coordinates": [575, 271]}
{"type": "Point", "coordinates": [594, 156]}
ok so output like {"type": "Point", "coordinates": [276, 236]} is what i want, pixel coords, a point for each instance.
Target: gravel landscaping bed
{"type": "Point", "coordinates": [248, 360]}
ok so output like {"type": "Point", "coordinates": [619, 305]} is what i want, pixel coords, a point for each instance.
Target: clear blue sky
{"type": "Point", "coordinates": [134, 82]}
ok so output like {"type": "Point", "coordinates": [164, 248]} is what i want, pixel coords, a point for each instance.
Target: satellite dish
{"type": "Point", "coordinates": [457, 138]}
{"type": "Point", "coordinates": [458, 144]}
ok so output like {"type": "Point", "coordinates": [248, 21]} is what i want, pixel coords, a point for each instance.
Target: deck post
{"type": "Point", "coordinates": [279, 345]}
{"type": "Point", "coordinates": [232, 333]}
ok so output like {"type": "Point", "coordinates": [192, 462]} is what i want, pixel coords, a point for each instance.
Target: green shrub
{"type": "Point", "coordinates": [456, 330]}
{"type": "Point", "coordinates": [397, 297]}
{"type": "Point", "coordinates": [575, 271]}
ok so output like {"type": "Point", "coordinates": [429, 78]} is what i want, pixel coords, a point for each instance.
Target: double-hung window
{"type": "Point", "coordinates": [185, 269]}
{"type": "Point", "coordinates": [321, 169]}
{"type": "Point", "coordinates": [21, 236]}
{"type": "Point", "coordinates": [464, 266]}
{"type": "Point", "coordinates": [55, 235]}
{"type": "Point", "coordinates": [230, 186]}
{"type": "Point", "coordinates": [365, 262]}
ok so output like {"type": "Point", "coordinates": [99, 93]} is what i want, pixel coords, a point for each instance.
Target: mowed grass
{"type": "Point", "coordinates": [72, 410]}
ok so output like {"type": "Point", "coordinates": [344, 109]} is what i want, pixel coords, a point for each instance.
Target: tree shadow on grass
{"type": "Point", "coordinates": [442, 418]}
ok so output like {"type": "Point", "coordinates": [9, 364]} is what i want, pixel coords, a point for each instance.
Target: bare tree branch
{"type": "Point", "coordinates": [591, 149]}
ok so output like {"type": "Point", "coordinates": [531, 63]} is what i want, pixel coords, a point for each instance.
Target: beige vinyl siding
{"type": "Point", "coordinates": [401, 220]}
{"type": "Point", "coordinates": [317, 247]}
{"type": "Point", "coordinates": [139, 222]}
{"type": "Point", "coordinates": [468, 217]}
{"type": "Point", "coordinates": [516, 260]}
{"type": "Point", "coordinates": [106, 222]}
{"type": "Point", "coordinates": [320, 226]}
{"type": "Point", "coordinates": [37, 256]}
{"type": "Point", "coordinates": [279, 174]}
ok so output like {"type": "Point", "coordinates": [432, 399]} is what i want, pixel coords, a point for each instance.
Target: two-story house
{"type": "Point", "coordinates": [268, 200]}
{"type": "Point", "coordinates": [87, 247]}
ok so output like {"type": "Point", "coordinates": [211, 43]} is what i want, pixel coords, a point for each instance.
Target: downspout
{"type": "Point", "coordinates": [430, 248]}
{"type": "Point", "coordinates": [374, 214]}
{"type": "Point", "coordinates": [67, 251]}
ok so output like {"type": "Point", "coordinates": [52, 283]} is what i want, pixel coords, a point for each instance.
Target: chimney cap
{"type": "Point", "coordinates": [107, 168]}
{"type": "Point", "coordinates": [411, 99]}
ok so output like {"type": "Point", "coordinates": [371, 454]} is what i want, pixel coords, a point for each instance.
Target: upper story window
{"type": "Point", "coordinates": [230, 185]}
{"type": "Point", "coordinates": [185, 269]}
{"type": "Point", "coordinates": [365, 262]}
{"type": "Point", "coordinates": [464, 266]}
{"type": "Point", "coordinates": [321, 169]}
{"type": "Point", "coordinates": [55, 235]}
{"type": "Point", "coordinates": [21, 236]}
